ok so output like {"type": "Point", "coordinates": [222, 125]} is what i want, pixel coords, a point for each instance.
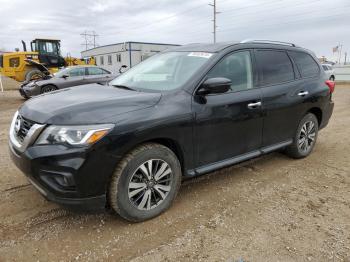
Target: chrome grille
{"type": "Point", "coordinates": [23, 132]}
{"type": "Point", "coordinates": [25, 127]}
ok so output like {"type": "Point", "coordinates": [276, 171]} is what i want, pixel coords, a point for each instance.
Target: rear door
{"type": "Point", "coordinates": [281, 99]}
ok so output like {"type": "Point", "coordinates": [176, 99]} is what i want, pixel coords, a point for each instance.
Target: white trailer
{"type": "Point", "coordinates": [112, 57]}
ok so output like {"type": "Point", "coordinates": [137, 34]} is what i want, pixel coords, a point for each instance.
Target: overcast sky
{"type": "Point", "coordinates": [318, 25]}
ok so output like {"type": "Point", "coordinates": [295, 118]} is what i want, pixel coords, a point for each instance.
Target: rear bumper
{"type": "Point", "coordinates": [327, 113]}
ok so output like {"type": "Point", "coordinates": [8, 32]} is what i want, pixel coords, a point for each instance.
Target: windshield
{"type": "Point", "coordinates": [163, 72]}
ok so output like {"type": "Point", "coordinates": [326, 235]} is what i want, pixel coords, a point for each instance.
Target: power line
{"type": "Point", "coordinates": [198, 20]}
{"type": "Point", "coordinates": [89, 39]}
{"type": "Point", "coordinates": [168, 17]}
{"type": "Point", "coordinates": [334, 15]}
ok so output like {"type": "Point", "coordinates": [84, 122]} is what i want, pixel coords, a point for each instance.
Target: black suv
{"type": "Point", "coordinates": [181, 113]}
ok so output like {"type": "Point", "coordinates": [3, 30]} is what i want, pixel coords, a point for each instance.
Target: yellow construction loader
{"type": "Point", "coordinates": [43, 59]}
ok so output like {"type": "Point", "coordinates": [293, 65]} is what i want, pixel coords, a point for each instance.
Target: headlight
{"type": "Point", "coordinates": [30, 84]}
{"type": "Point", "coordinates": [74, 135]}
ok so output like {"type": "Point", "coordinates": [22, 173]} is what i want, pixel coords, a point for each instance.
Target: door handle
{"type": "Point", "coordinates": [254, 105]}
{"type": "Point", "coordinates": [303, 93]}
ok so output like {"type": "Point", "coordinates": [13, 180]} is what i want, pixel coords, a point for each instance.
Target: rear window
{"type": "Point", "coordinates": [275, 66]}
{"type": "Point", "coordinates": [306, 64]}
{"type": "Point", "coordinates": [96, 71]}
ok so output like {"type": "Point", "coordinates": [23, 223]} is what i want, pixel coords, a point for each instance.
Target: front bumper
{"type": "Point", "coordinates": [28, 92]}
{"type": "Point", "coordinates": [76, 178]}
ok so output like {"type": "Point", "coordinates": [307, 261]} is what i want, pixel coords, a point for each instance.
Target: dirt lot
{"type": "Point", "coordinates": [269, 209]}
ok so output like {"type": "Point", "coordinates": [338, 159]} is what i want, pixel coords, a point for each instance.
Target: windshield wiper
{"type": "Point", "coordinates": [124, 87]}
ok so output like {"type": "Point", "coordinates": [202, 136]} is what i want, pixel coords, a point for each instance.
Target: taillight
{"type": "Point", "coordinates": [331, 85]}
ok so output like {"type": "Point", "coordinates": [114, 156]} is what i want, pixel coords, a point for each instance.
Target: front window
{"type": "Point", "coordinates": [163, 72]}
{"type": "Point", "coordinates": [69, 71]}
{"type": "Point", "coordinates": [236, 67]}
{"type": "Point", "coordinates": [48, 47]}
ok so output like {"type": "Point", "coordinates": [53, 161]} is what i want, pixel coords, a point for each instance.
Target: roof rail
{"type": "Point", "coordinates": [267, 42]}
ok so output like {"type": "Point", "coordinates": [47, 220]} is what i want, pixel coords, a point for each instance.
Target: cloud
{"type": "Point", "coordinates": [316, 24]}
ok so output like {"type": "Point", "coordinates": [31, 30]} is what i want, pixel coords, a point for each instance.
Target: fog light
{"type": "Point", "coordinates": [58, 180]}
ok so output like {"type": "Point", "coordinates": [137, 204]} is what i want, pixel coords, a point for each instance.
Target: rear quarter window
{"type": "Point", "coordinates": [275, 66]}
{"type": "Point", "coordinates": [306, 64]}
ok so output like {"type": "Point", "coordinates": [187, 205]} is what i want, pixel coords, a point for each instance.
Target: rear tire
{"type": "Point", "coordinates": [145, 183]}
{"type": "Point", "coordinates": [34, 74]}
{"type": "Point", "coordinates": [305, 137]}
{"type": "Point", "coordinates": [48, 89]}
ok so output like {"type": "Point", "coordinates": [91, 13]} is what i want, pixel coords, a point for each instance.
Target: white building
{"type": "Point", "coordinates": [112, 57]}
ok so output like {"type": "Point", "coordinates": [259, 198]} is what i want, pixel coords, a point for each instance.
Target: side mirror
{"type": "Point", "coordinates": [121, 69]}
{"type": "Point", "coordinates": [65, 76]}
{"type": "Point", "coordinates": [217, 85]}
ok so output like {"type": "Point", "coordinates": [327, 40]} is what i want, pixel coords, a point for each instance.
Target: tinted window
{"type": "Point", "coordinates": [236, 67]}
{"type": "Point", "coordinates": [77, 72]}
{"type": "Point", "coordinates": [306, 64]}
{"type": "Point", "coordinates": [96, 71]}
{"type": "Point", "coordinates": [275, 66]}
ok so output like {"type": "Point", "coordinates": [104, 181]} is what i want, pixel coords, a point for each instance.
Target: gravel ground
{"type": "Point", "coordinates": [272, 208]}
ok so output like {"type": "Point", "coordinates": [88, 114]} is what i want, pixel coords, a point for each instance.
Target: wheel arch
{"type": "Point", "coordinates": [172, 144]}
{"type": "Point", "coordinates": [318, 113]}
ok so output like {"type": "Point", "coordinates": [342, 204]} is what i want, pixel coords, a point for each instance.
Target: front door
{"type": "Point", "coordinates": [229, 124]}
{"type": "Point", "coordinates": [75, 77]}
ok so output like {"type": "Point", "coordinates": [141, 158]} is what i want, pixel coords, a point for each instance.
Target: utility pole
{"type": "Point", "coordinates": [89, 39]}
{"type": "Point", "coordinates": [341, 47]}
{"type": "Point", "coordinates": [346, 54]}
{"type": "Point", "coordinates": [214, 19]}
{"type": "Point", "coordinates": [1, 86]}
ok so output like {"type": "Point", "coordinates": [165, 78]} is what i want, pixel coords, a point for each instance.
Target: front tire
{"type": "Point", "coordinates": [305, 137]}
{"type": "Point", "coordinates": [145, 182]}
{"type": "Point", "coordinates": [48, 89]}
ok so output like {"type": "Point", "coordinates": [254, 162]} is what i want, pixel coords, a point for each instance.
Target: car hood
{"type": "Point", "coordinates": [87, 104]}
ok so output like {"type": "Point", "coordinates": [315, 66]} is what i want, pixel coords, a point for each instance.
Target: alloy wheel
{"type": "Point", "coordinates": [307, 136]}
{"type": "Point", "coordinates": [150, 184]}
{"type": "Point", "coordinates": [48, 89]}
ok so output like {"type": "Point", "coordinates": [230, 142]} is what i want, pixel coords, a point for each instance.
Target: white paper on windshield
{"type": "Point", "coordinates": [200, 54]}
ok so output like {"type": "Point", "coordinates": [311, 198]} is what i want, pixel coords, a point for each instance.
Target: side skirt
{"type": "Point", "coordinates": [234, 160]}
